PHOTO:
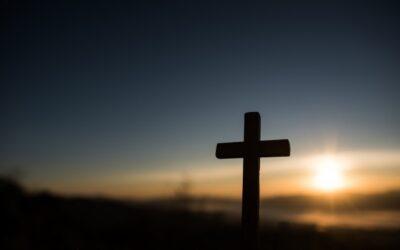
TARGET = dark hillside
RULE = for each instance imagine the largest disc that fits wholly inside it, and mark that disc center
(47, 221)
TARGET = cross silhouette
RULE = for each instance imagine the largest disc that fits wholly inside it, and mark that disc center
(251, 149)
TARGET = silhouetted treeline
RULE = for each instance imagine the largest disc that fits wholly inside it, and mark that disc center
(45, 221)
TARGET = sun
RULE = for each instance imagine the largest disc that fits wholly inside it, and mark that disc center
(328, 175)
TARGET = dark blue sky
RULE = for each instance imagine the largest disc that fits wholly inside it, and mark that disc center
(154, 84)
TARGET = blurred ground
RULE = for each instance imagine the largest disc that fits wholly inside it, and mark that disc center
(47, 221)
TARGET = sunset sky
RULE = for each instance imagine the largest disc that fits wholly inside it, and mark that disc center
(130, 101)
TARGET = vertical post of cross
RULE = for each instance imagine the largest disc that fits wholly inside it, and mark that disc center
(251, 149)
(251, 187)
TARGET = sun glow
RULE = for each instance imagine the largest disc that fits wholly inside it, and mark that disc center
(328, 175)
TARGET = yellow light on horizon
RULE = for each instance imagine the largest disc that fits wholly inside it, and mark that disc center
(328, 175)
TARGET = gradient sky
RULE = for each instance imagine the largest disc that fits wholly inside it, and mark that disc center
(104, 97)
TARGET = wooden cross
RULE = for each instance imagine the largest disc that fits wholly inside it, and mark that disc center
(251, 149)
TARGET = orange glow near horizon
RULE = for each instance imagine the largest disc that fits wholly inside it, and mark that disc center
(332, 173)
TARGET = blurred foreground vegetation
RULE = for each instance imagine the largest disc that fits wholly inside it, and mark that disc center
(46, 221)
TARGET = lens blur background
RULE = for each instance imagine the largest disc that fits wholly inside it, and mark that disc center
(111, 111)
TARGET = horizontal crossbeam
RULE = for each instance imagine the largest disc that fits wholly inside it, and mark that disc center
(268, 148)
(230, 150)
(274, 148)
